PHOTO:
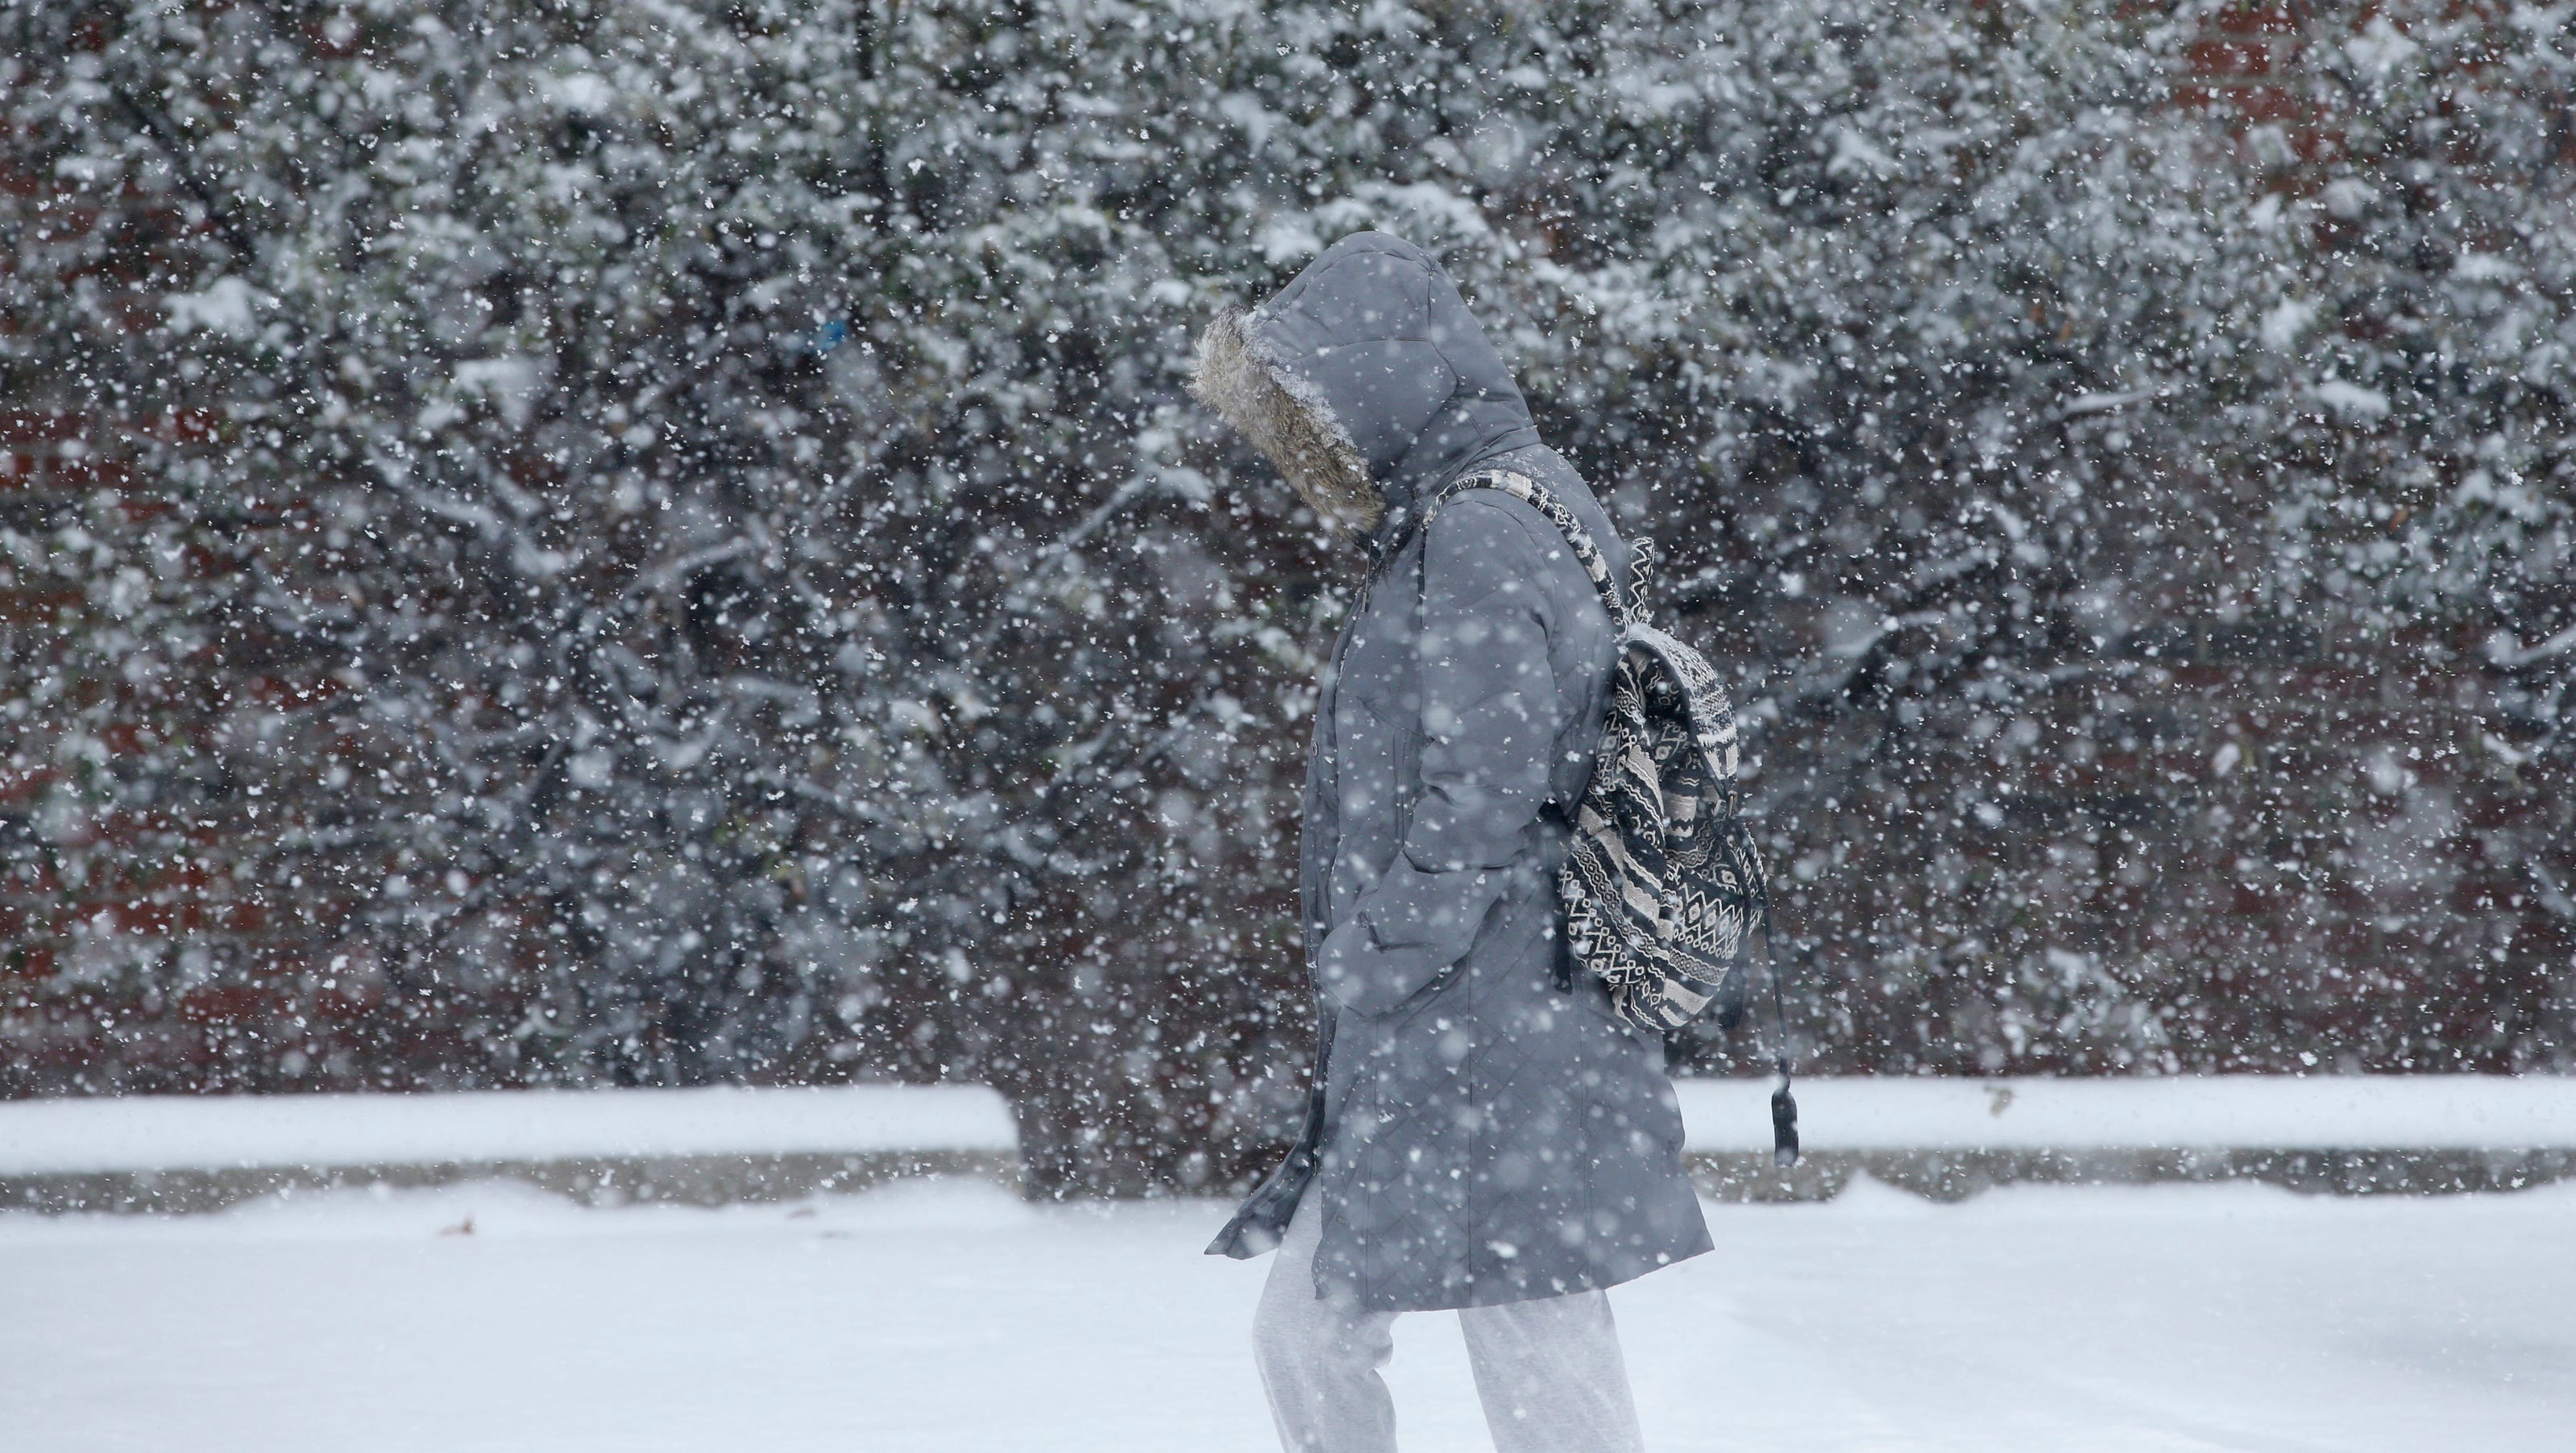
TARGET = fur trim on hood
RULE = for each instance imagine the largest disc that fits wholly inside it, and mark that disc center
(1288, 420)
(1368, 382)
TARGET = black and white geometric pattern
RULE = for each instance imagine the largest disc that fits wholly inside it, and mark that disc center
(1663, 886)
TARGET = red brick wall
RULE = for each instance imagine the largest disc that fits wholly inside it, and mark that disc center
(132, 954)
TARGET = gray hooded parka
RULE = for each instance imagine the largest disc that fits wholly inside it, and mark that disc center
(1482, 1129)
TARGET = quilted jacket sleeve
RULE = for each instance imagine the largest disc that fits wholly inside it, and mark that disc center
(1490, 717)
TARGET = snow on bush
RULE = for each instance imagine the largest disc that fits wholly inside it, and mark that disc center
(667, 545)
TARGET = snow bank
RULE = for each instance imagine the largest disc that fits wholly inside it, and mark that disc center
(239, 1132)
(2247, 1112)
(2214, 1113)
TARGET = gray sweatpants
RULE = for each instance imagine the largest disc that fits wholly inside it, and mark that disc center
(1548, 1371)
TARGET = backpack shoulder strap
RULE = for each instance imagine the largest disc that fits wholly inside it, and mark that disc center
(1577, 539)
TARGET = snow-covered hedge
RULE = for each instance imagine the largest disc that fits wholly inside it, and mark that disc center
(668, 545)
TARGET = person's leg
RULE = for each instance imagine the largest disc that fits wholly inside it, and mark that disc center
(1551, 1376)
(1319, 1360)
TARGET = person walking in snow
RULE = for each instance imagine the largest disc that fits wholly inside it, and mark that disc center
(1483, 1134)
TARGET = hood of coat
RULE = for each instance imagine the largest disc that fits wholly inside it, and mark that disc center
(1366, 382)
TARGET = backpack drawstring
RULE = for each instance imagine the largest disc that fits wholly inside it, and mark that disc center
(1784, 1106)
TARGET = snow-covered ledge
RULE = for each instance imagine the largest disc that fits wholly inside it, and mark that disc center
(178, 1152)
(1949, 1137)
(2212, 1112)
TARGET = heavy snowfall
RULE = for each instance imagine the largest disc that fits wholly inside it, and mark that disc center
(663, 544)
(604, 545)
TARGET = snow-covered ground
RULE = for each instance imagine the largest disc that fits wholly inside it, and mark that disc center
(948, 1317)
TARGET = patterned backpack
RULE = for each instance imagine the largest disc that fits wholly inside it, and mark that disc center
(1663, 886)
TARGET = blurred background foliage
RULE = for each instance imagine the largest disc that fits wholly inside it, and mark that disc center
(662, 542)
